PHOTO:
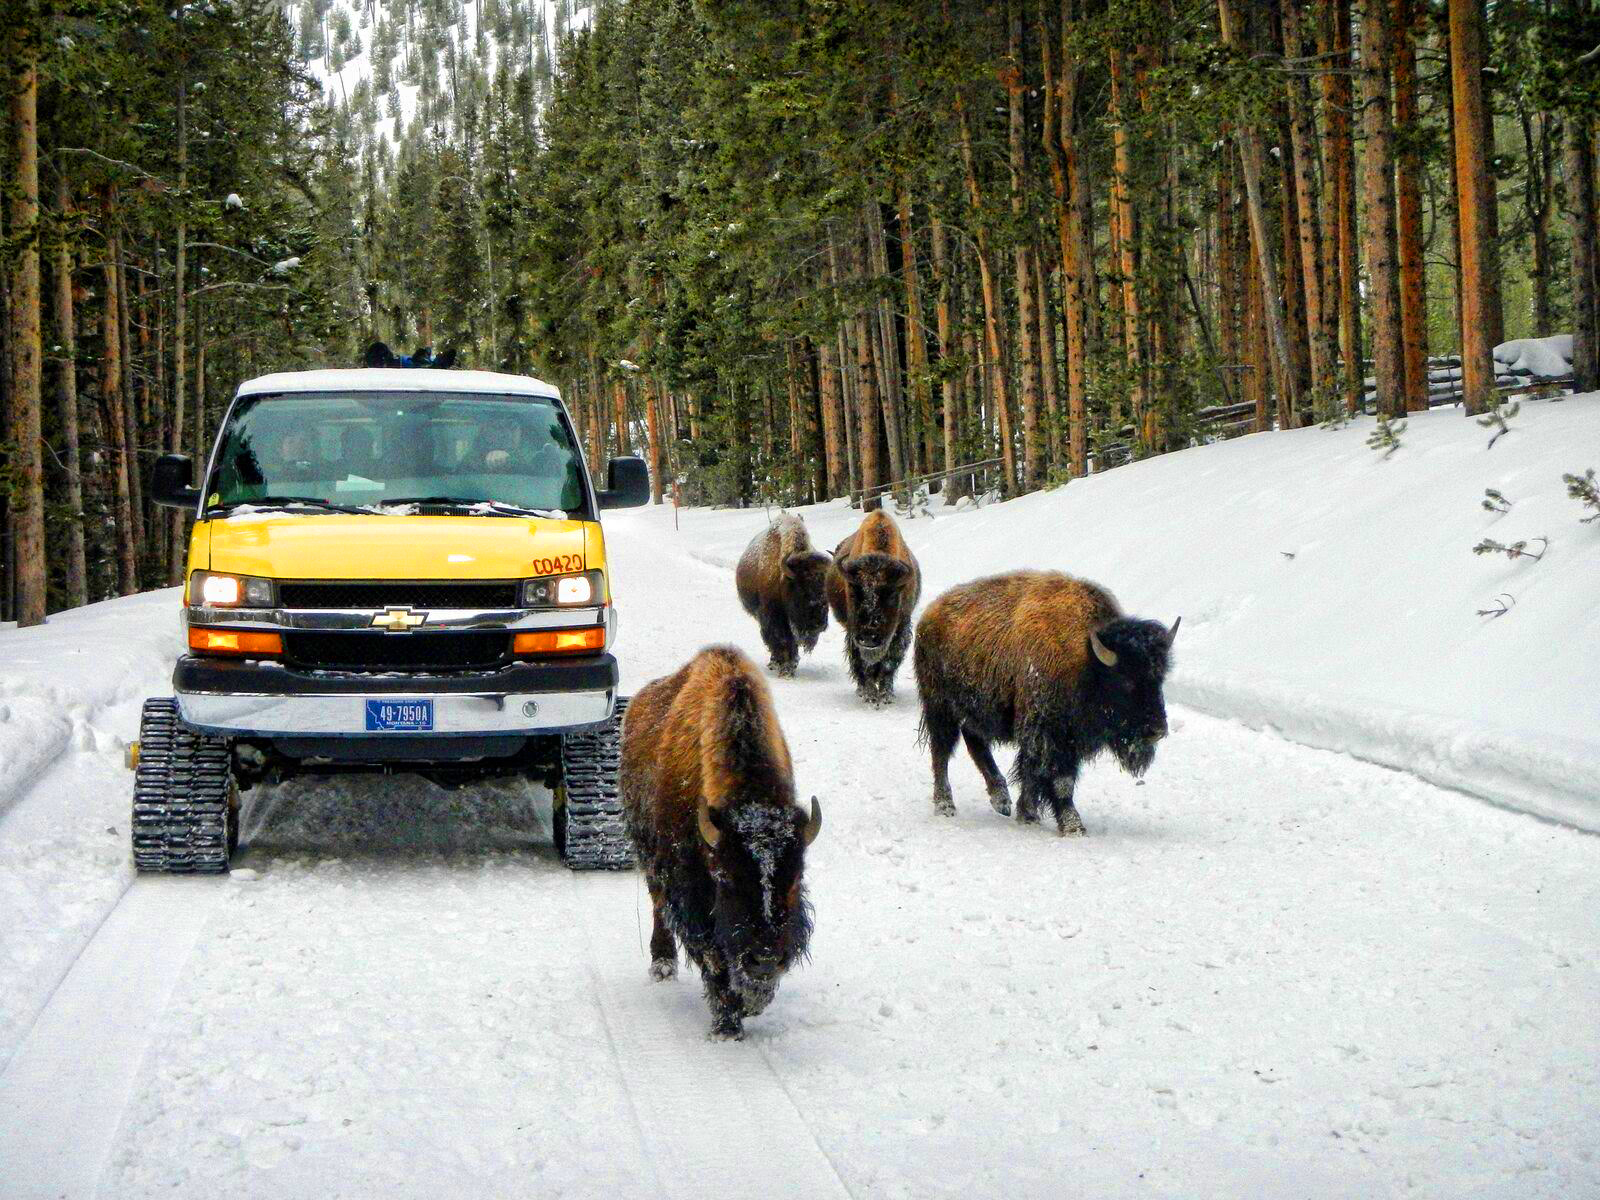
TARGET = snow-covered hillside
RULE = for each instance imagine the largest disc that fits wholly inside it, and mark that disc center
(1268, 970)
(385, 60)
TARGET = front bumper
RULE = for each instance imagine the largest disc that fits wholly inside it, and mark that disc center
(266, 699)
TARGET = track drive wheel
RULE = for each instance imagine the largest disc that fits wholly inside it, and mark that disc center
(586, 814)
(185, 802)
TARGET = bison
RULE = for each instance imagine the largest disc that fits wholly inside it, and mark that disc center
(1048, 662)
(780, 579)
(873, 585)
(708, 797)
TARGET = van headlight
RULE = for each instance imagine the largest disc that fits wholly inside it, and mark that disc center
(563, 591)
(216, 589)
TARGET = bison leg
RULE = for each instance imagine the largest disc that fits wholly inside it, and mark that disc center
(1049, 772)
(1068, 822)
(663, 949)
(942, 730)
(993, 779)
(778, 634)
(727, 1009)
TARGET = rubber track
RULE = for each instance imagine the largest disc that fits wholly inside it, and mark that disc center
(180, 795)
(597, 837)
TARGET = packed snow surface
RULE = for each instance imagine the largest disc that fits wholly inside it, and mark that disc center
(1270, 969)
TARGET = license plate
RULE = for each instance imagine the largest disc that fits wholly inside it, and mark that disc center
(399, 716)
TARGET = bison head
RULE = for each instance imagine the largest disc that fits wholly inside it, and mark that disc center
(1128, 663)
(877, 599)
(805, 596)
(762, 922)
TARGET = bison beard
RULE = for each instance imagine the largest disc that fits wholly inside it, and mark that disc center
(709, 800)
(1050, 663)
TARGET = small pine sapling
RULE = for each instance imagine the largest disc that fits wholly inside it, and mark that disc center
(1582, 488)
(1514, 551)
(1386, 436)
(1494, 502)
(1497, 416)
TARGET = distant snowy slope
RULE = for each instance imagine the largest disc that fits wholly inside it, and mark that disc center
(399, 51)
(1334, 594)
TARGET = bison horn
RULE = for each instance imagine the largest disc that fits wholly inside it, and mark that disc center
(708, 827)
(1173, 632)
(814, 824)
(1103, 652)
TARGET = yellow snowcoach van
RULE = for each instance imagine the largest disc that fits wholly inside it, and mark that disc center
(390, 569)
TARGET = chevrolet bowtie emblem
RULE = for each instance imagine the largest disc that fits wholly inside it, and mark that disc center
(398, 620)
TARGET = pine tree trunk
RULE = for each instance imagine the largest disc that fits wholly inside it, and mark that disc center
(1342, 246)
(1250, 160)
(1257, 364)
(1408, 194)
(868, 414)
(1478, 283)
(1022, 254)
(652, 420)
(1309, 213)
(112, 403)
(1581, 214)
(1294, 290)
(992, 316)
(1378, 168)
(916, 337)
(1047, 359)
(26, 464)
(949, 385)
(180, 340)
(887, 350)
(77, 573)
(1061, 135)
(1126, 255)
(832, 418)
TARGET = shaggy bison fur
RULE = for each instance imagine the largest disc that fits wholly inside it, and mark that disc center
(1048, 662)
(708, 796)
(780, 579)
(873, 587)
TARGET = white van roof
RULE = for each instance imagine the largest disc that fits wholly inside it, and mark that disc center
(399, 379)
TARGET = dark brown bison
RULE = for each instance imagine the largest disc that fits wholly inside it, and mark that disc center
(1048, 662)
(780, 580)
(873, 587)
(708, 794)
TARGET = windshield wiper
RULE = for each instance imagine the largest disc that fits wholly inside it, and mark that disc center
(499, 507)
(316, 502)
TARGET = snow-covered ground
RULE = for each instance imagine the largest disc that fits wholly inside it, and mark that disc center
(1271, 969)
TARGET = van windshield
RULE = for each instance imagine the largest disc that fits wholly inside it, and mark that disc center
(367, 451)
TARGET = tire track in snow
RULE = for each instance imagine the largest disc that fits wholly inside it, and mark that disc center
(714, 1117)
(63, 1093)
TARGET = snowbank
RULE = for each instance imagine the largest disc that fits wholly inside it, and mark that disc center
(1541, 358)
(1333, 595)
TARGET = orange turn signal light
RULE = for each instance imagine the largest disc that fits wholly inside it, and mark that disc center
(233, 641)
(560, 641)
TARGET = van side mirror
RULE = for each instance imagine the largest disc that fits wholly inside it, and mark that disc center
(627, 483)
(170, 482)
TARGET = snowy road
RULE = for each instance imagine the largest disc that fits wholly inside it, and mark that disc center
(1269, 970)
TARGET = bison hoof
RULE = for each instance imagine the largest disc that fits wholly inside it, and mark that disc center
(783, 670)
(664, 968)
(1070, 825)
(1000, 801)
(727, 1029)
(874, 697)
(1027, 814)
(943, 805)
